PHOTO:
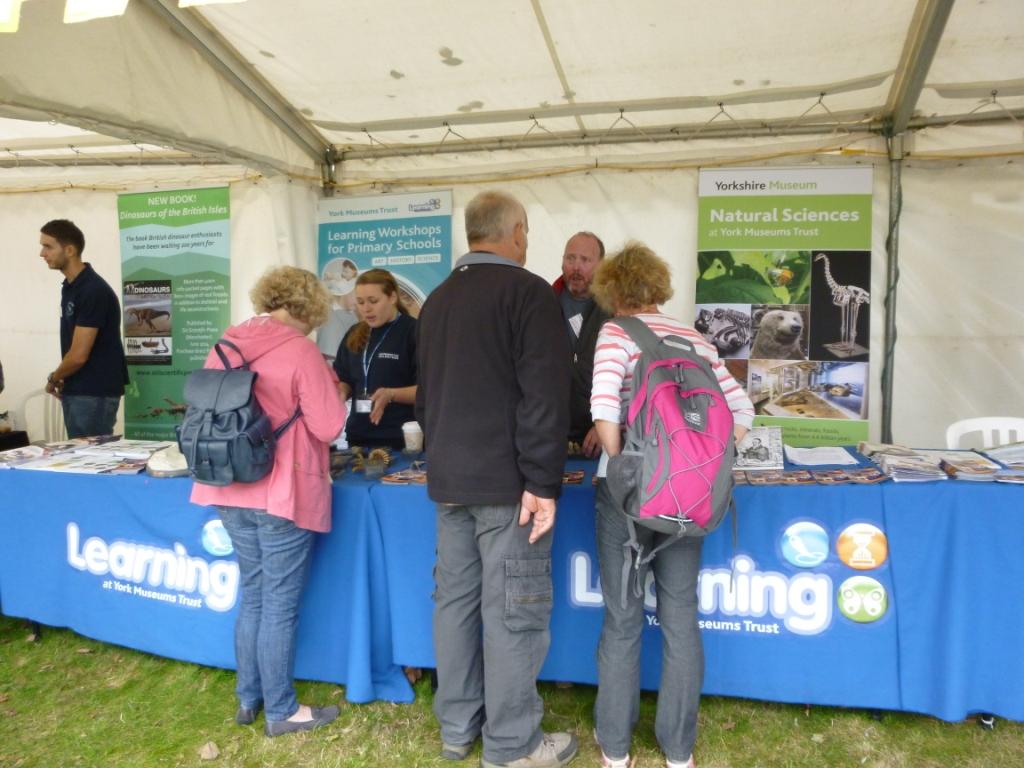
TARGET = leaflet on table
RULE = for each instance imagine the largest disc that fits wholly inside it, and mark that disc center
(913, 469)
(125, 449)
(761, 449)
(86, 465)
(872, 450)
(17, 456)
(1012, 454)
(821, 456)
(861, 475)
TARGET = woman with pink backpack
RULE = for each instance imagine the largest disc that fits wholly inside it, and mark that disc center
(634, 282)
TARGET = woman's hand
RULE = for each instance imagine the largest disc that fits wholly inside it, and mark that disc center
(381, 399)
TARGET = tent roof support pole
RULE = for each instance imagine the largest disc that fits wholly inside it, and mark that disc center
(922, 41)
(742, 129)
(329, 171)
(892, 277)
(549, 41)
(226, 60)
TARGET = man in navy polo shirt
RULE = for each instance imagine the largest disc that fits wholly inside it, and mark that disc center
(92, 372)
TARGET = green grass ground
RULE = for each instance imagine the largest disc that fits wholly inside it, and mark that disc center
(69, 701)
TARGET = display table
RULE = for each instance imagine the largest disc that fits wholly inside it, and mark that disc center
(809, 606)
(128, 560)
(924, 619)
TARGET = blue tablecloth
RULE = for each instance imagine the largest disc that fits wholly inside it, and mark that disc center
(796, 647)
(957, 572)
(925, 619)
(809, 606)
(125, 560)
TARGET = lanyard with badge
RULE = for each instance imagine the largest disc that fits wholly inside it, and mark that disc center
(364, 404)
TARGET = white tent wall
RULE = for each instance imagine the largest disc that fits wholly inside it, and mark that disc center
(960, 305)
(272, 222)
(960, 351)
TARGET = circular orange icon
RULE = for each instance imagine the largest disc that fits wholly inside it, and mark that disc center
(862, 546)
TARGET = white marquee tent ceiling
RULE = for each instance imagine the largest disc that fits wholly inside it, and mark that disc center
(275, 85)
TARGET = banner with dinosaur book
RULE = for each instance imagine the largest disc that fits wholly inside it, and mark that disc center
(175, 275)
(784, 274)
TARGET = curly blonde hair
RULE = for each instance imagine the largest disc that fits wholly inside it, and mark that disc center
(297, 290)
(634, 277)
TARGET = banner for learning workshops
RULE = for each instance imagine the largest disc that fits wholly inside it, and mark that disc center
(784, 270)
(176, 282)
(410, 235)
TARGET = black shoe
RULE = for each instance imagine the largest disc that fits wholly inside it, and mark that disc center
(987, 722)
(247, 715)
(321, 716)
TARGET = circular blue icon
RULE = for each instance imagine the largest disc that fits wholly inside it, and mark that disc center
(805, 544)
(216, 540)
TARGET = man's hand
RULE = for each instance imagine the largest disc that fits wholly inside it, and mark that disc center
(54, 386)
(541, 510)
(591, 444)
(738, 433)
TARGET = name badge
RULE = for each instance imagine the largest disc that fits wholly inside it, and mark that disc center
(364, 405)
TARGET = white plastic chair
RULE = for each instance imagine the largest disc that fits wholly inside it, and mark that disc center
(51, 415)
(995, 430)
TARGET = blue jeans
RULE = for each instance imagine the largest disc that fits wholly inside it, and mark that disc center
(273, 560)
(617, 707)
(89, 415)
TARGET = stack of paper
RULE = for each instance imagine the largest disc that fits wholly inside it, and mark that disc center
(124, 449)
(17, 456)
(1012, 455)
(910, 469)
(77, 463)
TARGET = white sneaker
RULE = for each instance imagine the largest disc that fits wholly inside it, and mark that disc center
(673, 764)
(607, 762)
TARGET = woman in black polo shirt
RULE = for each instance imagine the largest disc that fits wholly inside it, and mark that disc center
(376, 363)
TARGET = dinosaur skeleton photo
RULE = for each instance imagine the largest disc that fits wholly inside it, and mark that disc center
(849, 299)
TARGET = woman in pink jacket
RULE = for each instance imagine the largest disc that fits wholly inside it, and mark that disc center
(272, 521)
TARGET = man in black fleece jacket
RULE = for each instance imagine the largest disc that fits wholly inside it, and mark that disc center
(493, 401)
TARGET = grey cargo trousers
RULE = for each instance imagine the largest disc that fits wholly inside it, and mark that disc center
(492, 608)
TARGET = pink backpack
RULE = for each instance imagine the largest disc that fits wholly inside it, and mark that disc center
(674, 474)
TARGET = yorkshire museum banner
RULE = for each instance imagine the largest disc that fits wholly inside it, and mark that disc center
(410, 235)
(175, 273)
(782, 292)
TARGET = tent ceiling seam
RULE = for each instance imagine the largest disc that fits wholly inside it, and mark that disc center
(576, 109)
(737, 129)
(140, 134)
(568, 93)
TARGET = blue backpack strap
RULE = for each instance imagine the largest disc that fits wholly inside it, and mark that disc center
(224, 358)
(245, 366)
(281, 430)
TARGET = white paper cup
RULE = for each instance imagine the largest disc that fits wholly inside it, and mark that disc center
(413, 436)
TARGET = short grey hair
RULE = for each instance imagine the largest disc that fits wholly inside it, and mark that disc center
(491, 216)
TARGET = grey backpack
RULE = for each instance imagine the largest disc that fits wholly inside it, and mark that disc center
(225, 435)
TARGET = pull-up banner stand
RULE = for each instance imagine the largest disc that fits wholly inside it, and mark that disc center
(783, 285)
(175, 271)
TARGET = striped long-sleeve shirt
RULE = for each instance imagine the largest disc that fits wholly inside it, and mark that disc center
(615, 359)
